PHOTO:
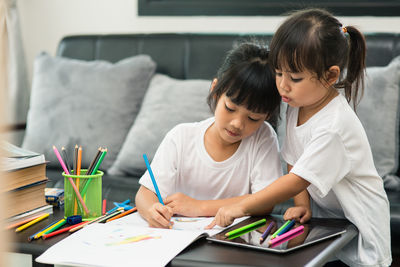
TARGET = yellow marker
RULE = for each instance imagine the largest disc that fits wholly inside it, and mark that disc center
(23, 227)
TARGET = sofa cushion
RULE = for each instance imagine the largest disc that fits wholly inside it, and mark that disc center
(379, 114)
(86, 103)
(167, 103)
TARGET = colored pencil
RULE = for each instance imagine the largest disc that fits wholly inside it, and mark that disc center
(70, 179)
(23, 227)
(38, 235)
(287, 235)
(287, 227)
(32, 237)
(104, 206)
(258, 223)
(266, 232)
(94, 161)
(126, 202)
(103, 154)
(56, 226)
(75, 159)
(65, 158)
(78, 172)
(153, 179)
(280, 229)
(78, 227)
(23, 222)
(108, 216)
(122, 214)
(66, 229)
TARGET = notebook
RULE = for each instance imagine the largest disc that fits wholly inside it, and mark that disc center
(311, 234)
(127, 241)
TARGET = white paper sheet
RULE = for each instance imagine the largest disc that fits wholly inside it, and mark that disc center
(127, 242)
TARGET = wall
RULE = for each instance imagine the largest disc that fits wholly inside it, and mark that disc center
(45, 22)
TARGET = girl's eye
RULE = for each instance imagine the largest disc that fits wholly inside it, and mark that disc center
(279, 74)
(228, 109)
(296, 80)
(253, 120)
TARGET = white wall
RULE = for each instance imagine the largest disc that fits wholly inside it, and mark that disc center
(45, 22)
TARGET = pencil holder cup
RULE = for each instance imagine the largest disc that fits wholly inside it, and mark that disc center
(89, 187)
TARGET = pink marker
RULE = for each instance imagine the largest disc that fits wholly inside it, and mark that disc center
(70, 179)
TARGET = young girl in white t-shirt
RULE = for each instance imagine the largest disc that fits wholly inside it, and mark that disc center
(199, 167)
(329, 159)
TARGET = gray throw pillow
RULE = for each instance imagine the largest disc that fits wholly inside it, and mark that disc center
(167, 103)
(379, 114)
(89, 103)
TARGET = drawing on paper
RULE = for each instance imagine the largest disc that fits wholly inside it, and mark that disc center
(133, 239)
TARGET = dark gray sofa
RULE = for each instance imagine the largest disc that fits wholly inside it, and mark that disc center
(191, 56)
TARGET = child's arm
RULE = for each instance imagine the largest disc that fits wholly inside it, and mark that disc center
(186, 206)
(155, 213)
(302, 209)
(261, 202)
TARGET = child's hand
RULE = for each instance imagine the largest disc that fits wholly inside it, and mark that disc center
(159, 216)
(299, 213)
(183, 205)
(226, 215)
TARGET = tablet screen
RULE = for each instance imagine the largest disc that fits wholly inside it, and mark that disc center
(311, 233)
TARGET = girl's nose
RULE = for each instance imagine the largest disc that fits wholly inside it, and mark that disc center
(238, 123)
(283, 84)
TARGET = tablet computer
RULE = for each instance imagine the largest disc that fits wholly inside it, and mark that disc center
(310, 234)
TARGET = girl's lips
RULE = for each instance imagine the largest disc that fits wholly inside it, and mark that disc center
(285, 99)
(232, 133)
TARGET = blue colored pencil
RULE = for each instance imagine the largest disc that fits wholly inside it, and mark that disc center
(153, 179)
(287, 227)
(33, 236)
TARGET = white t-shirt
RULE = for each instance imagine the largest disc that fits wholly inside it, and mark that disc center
(331, 151)
(182, 164)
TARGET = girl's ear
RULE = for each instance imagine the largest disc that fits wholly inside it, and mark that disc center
(213, 84)
(332, 75)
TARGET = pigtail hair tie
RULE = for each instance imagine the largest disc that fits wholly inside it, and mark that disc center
(344, 29)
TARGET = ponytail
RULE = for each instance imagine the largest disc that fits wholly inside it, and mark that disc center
(354, 80)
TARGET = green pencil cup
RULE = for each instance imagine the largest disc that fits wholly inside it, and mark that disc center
(89, 187)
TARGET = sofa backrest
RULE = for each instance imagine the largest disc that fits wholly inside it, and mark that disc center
(196, 56)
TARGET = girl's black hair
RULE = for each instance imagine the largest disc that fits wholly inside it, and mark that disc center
(247, 79)
(313, 40)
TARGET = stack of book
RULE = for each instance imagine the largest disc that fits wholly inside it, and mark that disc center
(24, 177)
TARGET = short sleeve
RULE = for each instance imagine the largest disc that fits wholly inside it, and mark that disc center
(164, 165)
(324, 162)
(267, 164)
